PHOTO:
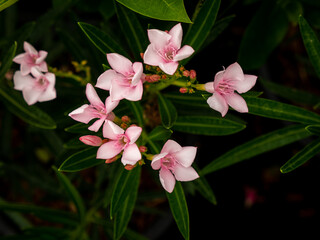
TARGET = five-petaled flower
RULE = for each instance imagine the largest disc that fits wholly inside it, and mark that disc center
(174, 163)
(120, 140)
(31, 59)
(96, 109)
(223, 87)
(38, 87)
(124, 80)
(165, 49)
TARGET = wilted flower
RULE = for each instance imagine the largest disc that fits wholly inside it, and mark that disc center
(124, 80)
(165, 49)
(174, 163)
(96, 109)
(223, 87)
(38, 87)
(31, 59)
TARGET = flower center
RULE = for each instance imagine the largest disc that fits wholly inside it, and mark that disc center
(168, 162)
(42, 82)
(168, 53)
(225, 87)
(122, 141)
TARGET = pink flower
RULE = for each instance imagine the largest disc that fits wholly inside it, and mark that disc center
(174, 163)
(96, 109)
(31, 59)
(37, 87)
(165, 49)
(120, 140)
(124, 80)
(223, 87)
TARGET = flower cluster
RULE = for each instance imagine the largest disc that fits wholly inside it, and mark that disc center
(33, 79)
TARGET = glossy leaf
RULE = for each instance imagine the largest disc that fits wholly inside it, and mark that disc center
(159, 133)
(6, 61)
(169, 10)
(78, 128)
(126, 204)
(6, 3)
(168, 112)
(134, 33)
(265, 31)
(277, 110)
(314, 129)
(101, 40)
(202, 25)
(311, 43)
(257, 146)
(179, 209)
(72, 193)
(81, 160)
(137, 111)
(204, 188)
(48, 214)
(302, 156)
(125, 184)
(207, 125)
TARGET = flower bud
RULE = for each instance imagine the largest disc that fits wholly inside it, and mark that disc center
(91, 140)
(186, 73)
(193, 74)
(143, 149)
(111, 160)
(154, 78)
(183, 90)
(125, 119)
(129, 167)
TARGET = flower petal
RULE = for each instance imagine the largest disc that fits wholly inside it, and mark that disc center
(138, 70)
(118, 91)
(29, 48)
(176, 35)
(25, 68)
(21, 81)
(182, 173)
(131, 155)
(119, 63)
(133, 133)
(169, 68)
(82, 114)
(218, 103)
(151, 56)
(110, 105)
(237, 102)
(96, 125)
(209, 87)
(49, 94)
(42, 56)
(108, 150)
(93, 97)
(31, 95)
(111, 130)
(105, 79)
(184, 52)
(134, 93)
(170, 147)
(19, 58)
(234, 72)
(156, 160)
(167, 180)
(159, 39)
(245, 85)
(185, 156)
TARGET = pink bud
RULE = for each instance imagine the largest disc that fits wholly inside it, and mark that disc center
(183, 90)
(143, 149)
(141, 55)
(154, 78)
(91, 140)
(186, 73)
(125, 119)
(193, 74)
(129, 167)
(111, 160)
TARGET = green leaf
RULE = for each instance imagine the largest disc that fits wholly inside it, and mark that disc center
(137, 111)
(277, 110)
(168, 10)
(48, 214)
(203, 187)
(78, 128)
(124, 186)
(159, 133)
(81, 160)
(202, 25)
(101, 40)
(207, 125)
(6, 3)
(257, 146)
(72, 192)
(265, 31)
(167, 111)
(311, 43)
(134, 33)
(302, 156)
(6, 61)
(179, 209)
(126, 203)
(314, 129)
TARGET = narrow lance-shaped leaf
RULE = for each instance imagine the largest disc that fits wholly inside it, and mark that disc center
(72, 192)
(257, 146)
(277, 110)
(311, 43)
(6, 61)
(314, 129)
(81, 160)
(179, 209)
(207, 125)
(202, 25)
(167, 110)
(125, 184)
(137, 111)
(159, 133)
(204, 188)
(301, 157)
(169, 10)
(6, 3)
(125, 210)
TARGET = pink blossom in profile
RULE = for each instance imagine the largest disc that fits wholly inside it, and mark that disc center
(223, 87)
(174, 163)
(165, 49)
(91, 140)
(96, 109)
(38, 87)
(120, 140)
(31, 59)
(124, 80)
